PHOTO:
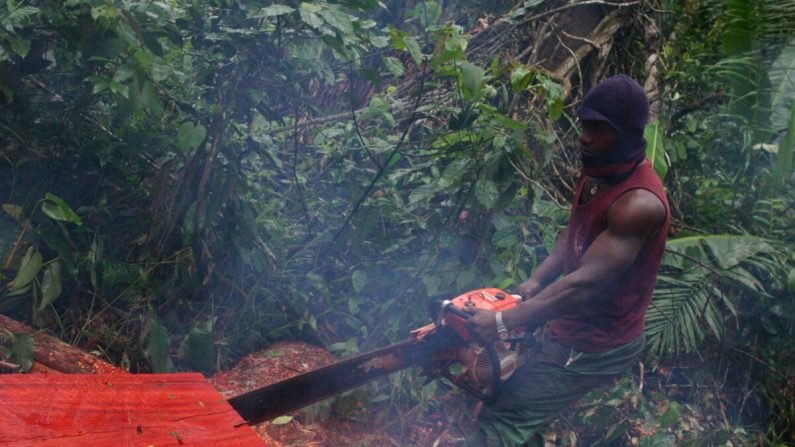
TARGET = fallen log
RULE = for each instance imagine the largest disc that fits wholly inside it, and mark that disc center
(52, 354)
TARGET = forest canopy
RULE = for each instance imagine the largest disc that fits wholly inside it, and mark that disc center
(184, 182)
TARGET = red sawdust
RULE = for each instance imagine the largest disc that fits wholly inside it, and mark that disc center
(281, 361)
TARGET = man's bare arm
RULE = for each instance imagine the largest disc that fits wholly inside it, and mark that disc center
(633, 219)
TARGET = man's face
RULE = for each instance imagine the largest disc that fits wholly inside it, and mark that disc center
(597, 139)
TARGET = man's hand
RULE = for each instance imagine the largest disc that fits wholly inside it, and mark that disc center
(528, 289)
(483, 324)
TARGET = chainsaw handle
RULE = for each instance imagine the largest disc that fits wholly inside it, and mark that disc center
(448, 306)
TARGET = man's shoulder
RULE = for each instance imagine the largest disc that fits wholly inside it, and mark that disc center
(637, 210)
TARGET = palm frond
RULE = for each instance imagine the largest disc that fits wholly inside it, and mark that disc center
(691, 298)
(681, 306)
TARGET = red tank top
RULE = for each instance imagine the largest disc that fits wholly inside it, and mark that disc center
(616, 317)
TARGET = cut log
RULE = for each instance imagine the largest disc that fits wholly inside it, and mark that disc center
(54, 357)
(52, 354)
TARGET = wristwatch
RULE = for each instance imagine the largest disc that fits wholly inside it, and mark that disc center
(502, 331)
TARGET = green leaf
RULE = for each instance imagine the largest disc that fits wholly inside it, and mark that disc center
(190, 136)
(158, 344)
(467, 279)
(505, 283)
(510, 123)
(125, 72)
(338, 20)
(671, 417)
(19, 45)
(486, 192)
(273, 11)
(149, 98)
(14, 211)
(379, 41)
(101, 83)
(50, 284)
(359, 280)
(22, 351)
(281, 420)
(453, 173)
(421, 194)
(397, 37)
(18, 17)
(784, 162)
(727, 250)
(394, 65)
(521, 78)
(310, 18)
(4, 89)
(105, 12)
(197, 347)
(655, 150)
(28, 269)
(414, 49)
(555, 109)
(56, 208)
(473, 77)
(783, 87)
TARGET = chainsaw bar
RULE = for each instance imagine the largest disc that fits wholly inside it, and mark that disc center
(313, 386)
(434, 347)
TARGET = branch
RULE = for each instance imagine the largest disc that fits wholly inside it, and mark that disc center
(313, 122)
(381, 171)
(356, 122)
(217, 130)
(700, 263)
(295, 175)
(575, 5)
(758, 360)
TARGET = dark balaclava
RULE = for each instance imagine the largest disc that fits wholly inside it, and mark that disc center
(622, 102)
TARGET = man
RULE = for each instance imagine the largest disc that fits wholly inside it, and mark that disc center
(605, 263)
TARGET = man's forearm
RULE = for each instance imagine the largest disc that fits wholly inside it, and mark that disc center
(559, 298)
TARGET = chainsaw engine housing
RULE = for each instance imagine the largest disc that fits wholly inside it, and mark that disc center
(486, 365)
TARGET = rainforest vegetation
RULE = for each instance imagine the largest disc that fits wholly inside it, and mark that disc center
(184, 182)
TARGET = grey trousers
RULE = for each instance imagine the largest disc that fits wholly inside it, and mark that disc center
(553, 377)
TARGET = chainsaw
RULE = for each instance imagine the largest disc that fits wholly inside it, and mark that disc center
(445, 348)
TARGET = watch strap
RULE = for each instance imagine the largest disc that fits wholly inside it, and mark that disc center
(502, 331)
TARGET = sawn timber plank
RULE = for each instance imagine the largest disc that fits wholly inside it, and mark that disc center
(117, 410)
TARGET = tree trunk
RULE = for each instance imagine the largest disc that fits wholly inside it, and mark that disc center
(572, 40)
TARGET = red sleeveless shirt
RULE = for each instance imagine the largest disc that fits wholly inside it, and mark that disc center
(616, 316)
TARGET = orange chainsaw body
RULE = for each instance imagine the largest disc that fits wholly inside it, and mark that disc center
(492, 299)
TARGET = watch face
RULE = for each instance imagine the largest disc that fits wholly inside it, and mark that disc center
(504, 335)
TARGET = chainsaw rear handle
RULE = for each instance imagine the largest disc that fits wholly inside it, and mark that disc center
(448, 306)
